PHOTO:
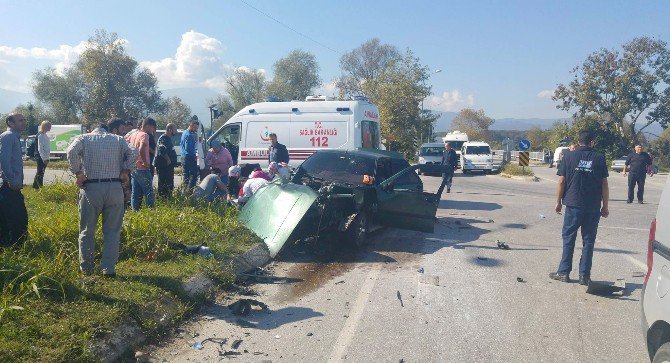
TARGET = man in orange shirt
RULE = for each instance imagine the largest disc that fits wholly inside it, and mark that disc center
(142, 181)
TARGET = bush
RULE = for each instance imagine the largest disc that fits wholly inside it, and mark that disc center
(514, 169)
(47, 313)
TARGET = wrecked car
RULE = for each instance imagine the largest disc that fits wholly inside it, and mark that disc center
(345, 192)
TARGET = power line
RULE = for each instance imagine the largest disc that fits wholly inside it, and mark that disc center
(289, 28)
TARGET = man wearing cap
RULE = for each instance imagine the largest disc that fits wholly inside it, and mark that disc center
(189, 145)
(101, 161)
(142, 181)
(13, 213)
(218, 157)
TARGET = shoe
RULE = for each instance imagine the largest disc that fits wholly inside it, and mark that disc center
(558, 277)
(584, 280)
(448, 190)
(629, 201)
(640, 202)
(110, 276)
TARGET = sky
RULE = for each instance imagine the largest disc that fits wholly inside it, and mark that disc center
(505, 57)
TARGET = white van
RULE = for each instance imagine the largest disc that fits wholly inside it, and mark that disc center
(558, 155)
(431, 154)
(456, 139)
(176, 142)
(303, 126)
(477, 155)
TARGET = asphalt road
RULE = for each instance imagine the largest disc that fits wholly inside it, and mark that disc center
(467, 305)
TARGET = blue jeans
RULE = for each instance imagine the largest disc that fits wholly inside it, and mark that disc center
(588, 221)
(191, 172)
(218, 194)
(142, 186)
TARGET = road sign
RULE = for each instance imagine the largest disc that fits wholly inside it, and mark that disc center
(524, 145)
(524, 158)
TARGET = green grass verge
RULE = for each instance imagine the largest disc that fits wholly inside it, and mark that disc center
(48, 312)
(53, 164)
(516, 170)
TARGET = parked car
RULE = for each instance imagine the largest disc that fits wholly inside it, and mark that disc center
(656, 287)
(341, 192)
(620, 163)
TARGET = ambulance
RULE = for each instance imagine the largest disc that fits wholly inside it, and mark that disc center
(302, 126)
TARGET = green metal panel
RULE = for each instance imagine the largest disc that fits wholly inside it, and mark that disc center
(275, 211)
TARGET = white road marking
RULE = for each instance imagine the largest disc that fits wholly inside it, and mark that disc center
(349, 330)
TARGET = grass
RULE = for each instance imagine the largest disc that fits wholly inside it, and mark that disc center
(516, 170)
(48, 312)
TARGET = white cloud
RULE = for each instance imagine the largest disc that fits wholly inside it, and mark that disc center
(327, 89)
(196, 63)
(546, 94)
(452, 101)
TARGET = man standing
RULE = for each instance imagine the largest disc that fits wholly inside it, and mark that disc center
(449, 164)
(100, 161)
(43, 152)
(583, 188)
(189, 144)
(142, 181)
(13, 213)
(636, 169)
(165, 161)
(277, 152)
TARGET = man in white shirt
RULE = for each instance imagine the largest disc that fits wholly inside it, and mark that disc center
(42, 155)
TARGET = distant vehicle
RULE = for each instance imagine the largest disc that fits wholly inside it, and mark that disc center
(303, 126)
(558, 155)
(620, 163)
(656, 286)
(477, 155)
(456, 139)
(176, 141)
(345, 192)
(430, 154)
(61, 136)
(24, 148)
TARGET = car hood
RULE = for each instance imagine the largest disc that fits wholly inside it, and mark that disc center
(274, 212)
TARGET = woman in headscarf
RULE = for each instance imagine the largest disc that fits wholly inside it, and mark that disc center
(218, 157)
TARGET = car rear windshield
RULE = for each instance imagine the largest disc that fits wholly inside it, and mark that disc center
(478, 150)
(432, 151)
(341, 167)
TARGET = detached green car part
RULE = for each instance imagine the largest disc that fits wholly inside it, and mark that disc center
(346, 192)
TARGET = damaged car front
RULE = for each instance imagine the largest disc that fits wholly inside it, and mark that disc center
(344, 192)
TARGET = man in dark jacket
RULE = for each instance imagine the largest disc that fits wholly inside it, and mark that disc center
(277, 152)
(449, 164)
(13, 213)
(165, 161)
(636, 169)
(583, 189)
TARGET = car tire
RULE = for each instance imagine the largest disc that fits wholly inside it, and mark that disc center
(357, 232)
(465, 171)
(662, 354)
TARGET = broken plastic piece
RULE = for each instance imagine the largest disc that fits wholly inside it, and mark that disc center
(243, 306)
(420, 270)
(502, 245)
(197, 345)
(236, 344)
(400, 298)
(482, 258)
(310, 334)
(542, 216)
(520, 279)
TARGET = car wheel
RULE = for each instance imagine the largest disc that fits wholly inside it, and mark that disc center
(357, 232)
(465, 171)
(662, 354)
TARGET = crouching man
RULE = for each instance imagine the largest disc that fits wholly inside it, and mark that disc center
(211, 188)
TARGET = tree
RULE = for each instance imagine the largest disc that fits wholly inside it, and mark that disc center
(474, 123)
(626, 91)
(364, 64)
(104, 82)
(538, 138)
(176, 112)
(295, 76)
(397, 91)
(560, 130)
(226, 109)
(245, 86)
(660, 149)
(34, 115)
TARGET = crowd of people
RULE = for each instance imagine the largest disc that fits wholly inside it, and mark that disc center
(114, 166)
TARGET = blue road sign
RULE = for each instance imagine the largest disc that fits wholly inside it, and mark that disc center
(524, 145)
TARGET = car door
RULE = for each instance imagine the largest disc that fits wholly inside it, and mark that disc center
(403, 204)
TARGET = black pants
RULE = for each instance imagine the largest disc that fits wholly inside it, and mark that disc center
(165, 181)
(447, 177)
(39, 177)
(13, 217)
(638, 179)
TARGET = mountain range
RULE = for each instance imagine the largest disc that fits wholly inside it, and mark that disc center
(443, 122)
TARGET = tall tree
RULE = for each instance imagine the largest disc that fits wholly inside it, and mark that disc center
(538, 138)
(246, 86)
(631, 87)
(104, 82)
(176, 112)
(398, 91)
(364, 64)
(474, 123)
(295, 76)
(226, 110)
